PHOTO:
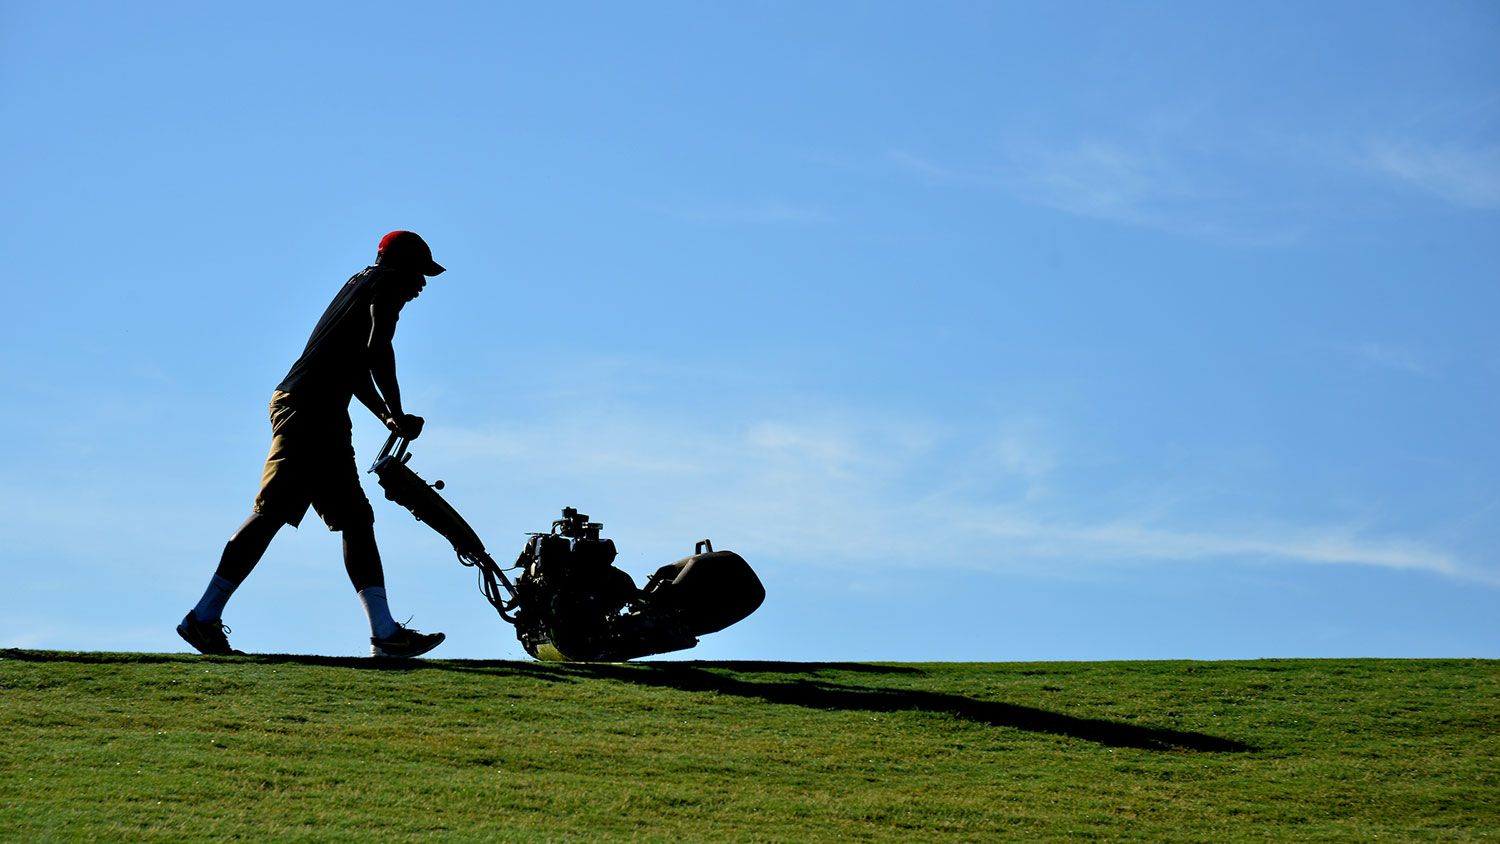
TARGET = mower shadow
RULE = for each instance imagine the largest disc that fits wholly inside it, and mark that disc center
(821, 694)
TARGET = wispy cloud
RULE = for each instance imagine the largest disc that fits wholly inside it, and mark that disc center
(1464, 175)
(1162, 178)
(852, 490)
(1094, 179)
(918, 164)
(1193, 173)
(1388, 357)
(1321, 545)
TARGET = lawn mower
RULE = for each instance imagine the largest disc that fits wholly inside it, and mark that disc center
(568, 602)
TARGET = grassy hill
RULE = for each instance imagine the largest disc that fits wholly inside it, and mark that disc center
(140, 747)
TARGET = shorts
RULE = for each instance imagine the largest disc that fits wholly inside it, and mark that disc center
(312, 463)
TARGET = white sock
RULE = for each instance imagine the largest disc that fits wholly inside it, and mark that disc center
(382, 626)
(211, 605)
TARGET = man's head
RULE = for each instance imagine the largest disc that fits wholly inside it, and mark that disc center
(407, 251)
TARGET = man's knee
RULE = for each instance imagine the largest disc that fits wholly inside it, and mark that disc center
(357, 532)
(355, 514)
(259, 528)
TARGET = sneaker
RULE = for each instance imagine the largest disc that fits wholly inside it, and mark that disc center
(405, 642)
(206, 637)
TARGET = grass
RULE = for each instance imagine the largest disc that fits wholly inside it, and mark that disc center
(158, 748)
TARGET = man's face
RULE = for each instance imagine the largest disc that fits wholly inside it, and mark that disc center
(417, 282)
(411, 279)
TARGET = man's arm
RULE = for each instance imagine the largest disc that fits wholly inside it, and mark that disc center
(382, 391)
(370, 397)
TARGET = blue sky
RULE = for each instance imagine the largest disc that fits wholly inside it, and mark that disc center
(985, 331)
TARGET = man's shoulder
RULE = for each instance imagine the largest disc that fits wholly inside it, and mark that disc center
(368, 275)
(368, 284)
(375, 278)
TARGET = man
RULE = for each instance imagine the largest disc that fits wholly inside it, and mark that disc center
(312, 454)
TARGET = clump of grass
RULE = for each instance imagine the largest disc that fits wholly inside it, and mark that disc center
(129, 747)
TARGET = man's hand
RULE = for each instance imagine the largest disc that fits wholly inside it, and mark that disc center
(406, 425)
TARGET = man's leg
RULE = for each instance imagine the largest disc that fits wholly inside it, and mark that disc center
(247, 546)
(241, 553)
(362, 563)
(203, 627)
(362, 557)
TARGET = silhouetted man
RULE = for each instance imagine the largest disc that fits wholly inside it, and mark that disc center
(312, 453)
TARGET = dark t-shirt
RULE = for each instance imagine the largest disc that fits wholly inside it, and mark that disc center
(337, 353)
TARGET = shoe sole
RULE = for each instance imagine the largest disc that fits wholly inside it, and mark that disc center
(375, 650)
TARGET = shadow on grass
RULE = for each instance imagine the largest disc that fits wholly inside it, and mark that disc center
(796, 684)
(820, 694)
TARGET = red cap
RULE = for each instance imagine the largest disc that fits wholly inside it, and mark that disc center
(408, 249)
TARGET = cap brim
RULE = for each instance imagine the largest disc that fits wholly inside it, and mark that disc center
(433, 268)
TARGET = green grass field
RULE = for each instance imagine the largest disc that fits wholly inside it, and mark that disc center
(139, 747)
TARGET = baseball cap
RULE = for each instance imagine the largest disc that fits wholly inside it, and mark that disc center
(409, 249)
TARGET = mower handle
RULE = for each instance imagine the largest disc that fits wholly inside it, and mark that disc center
(394, 440)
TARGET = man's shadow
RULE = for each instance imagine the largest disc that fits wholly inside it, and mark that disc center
(791, 684)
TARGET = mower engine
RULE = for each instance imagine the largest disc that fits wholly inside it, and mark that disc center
(576, 606)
